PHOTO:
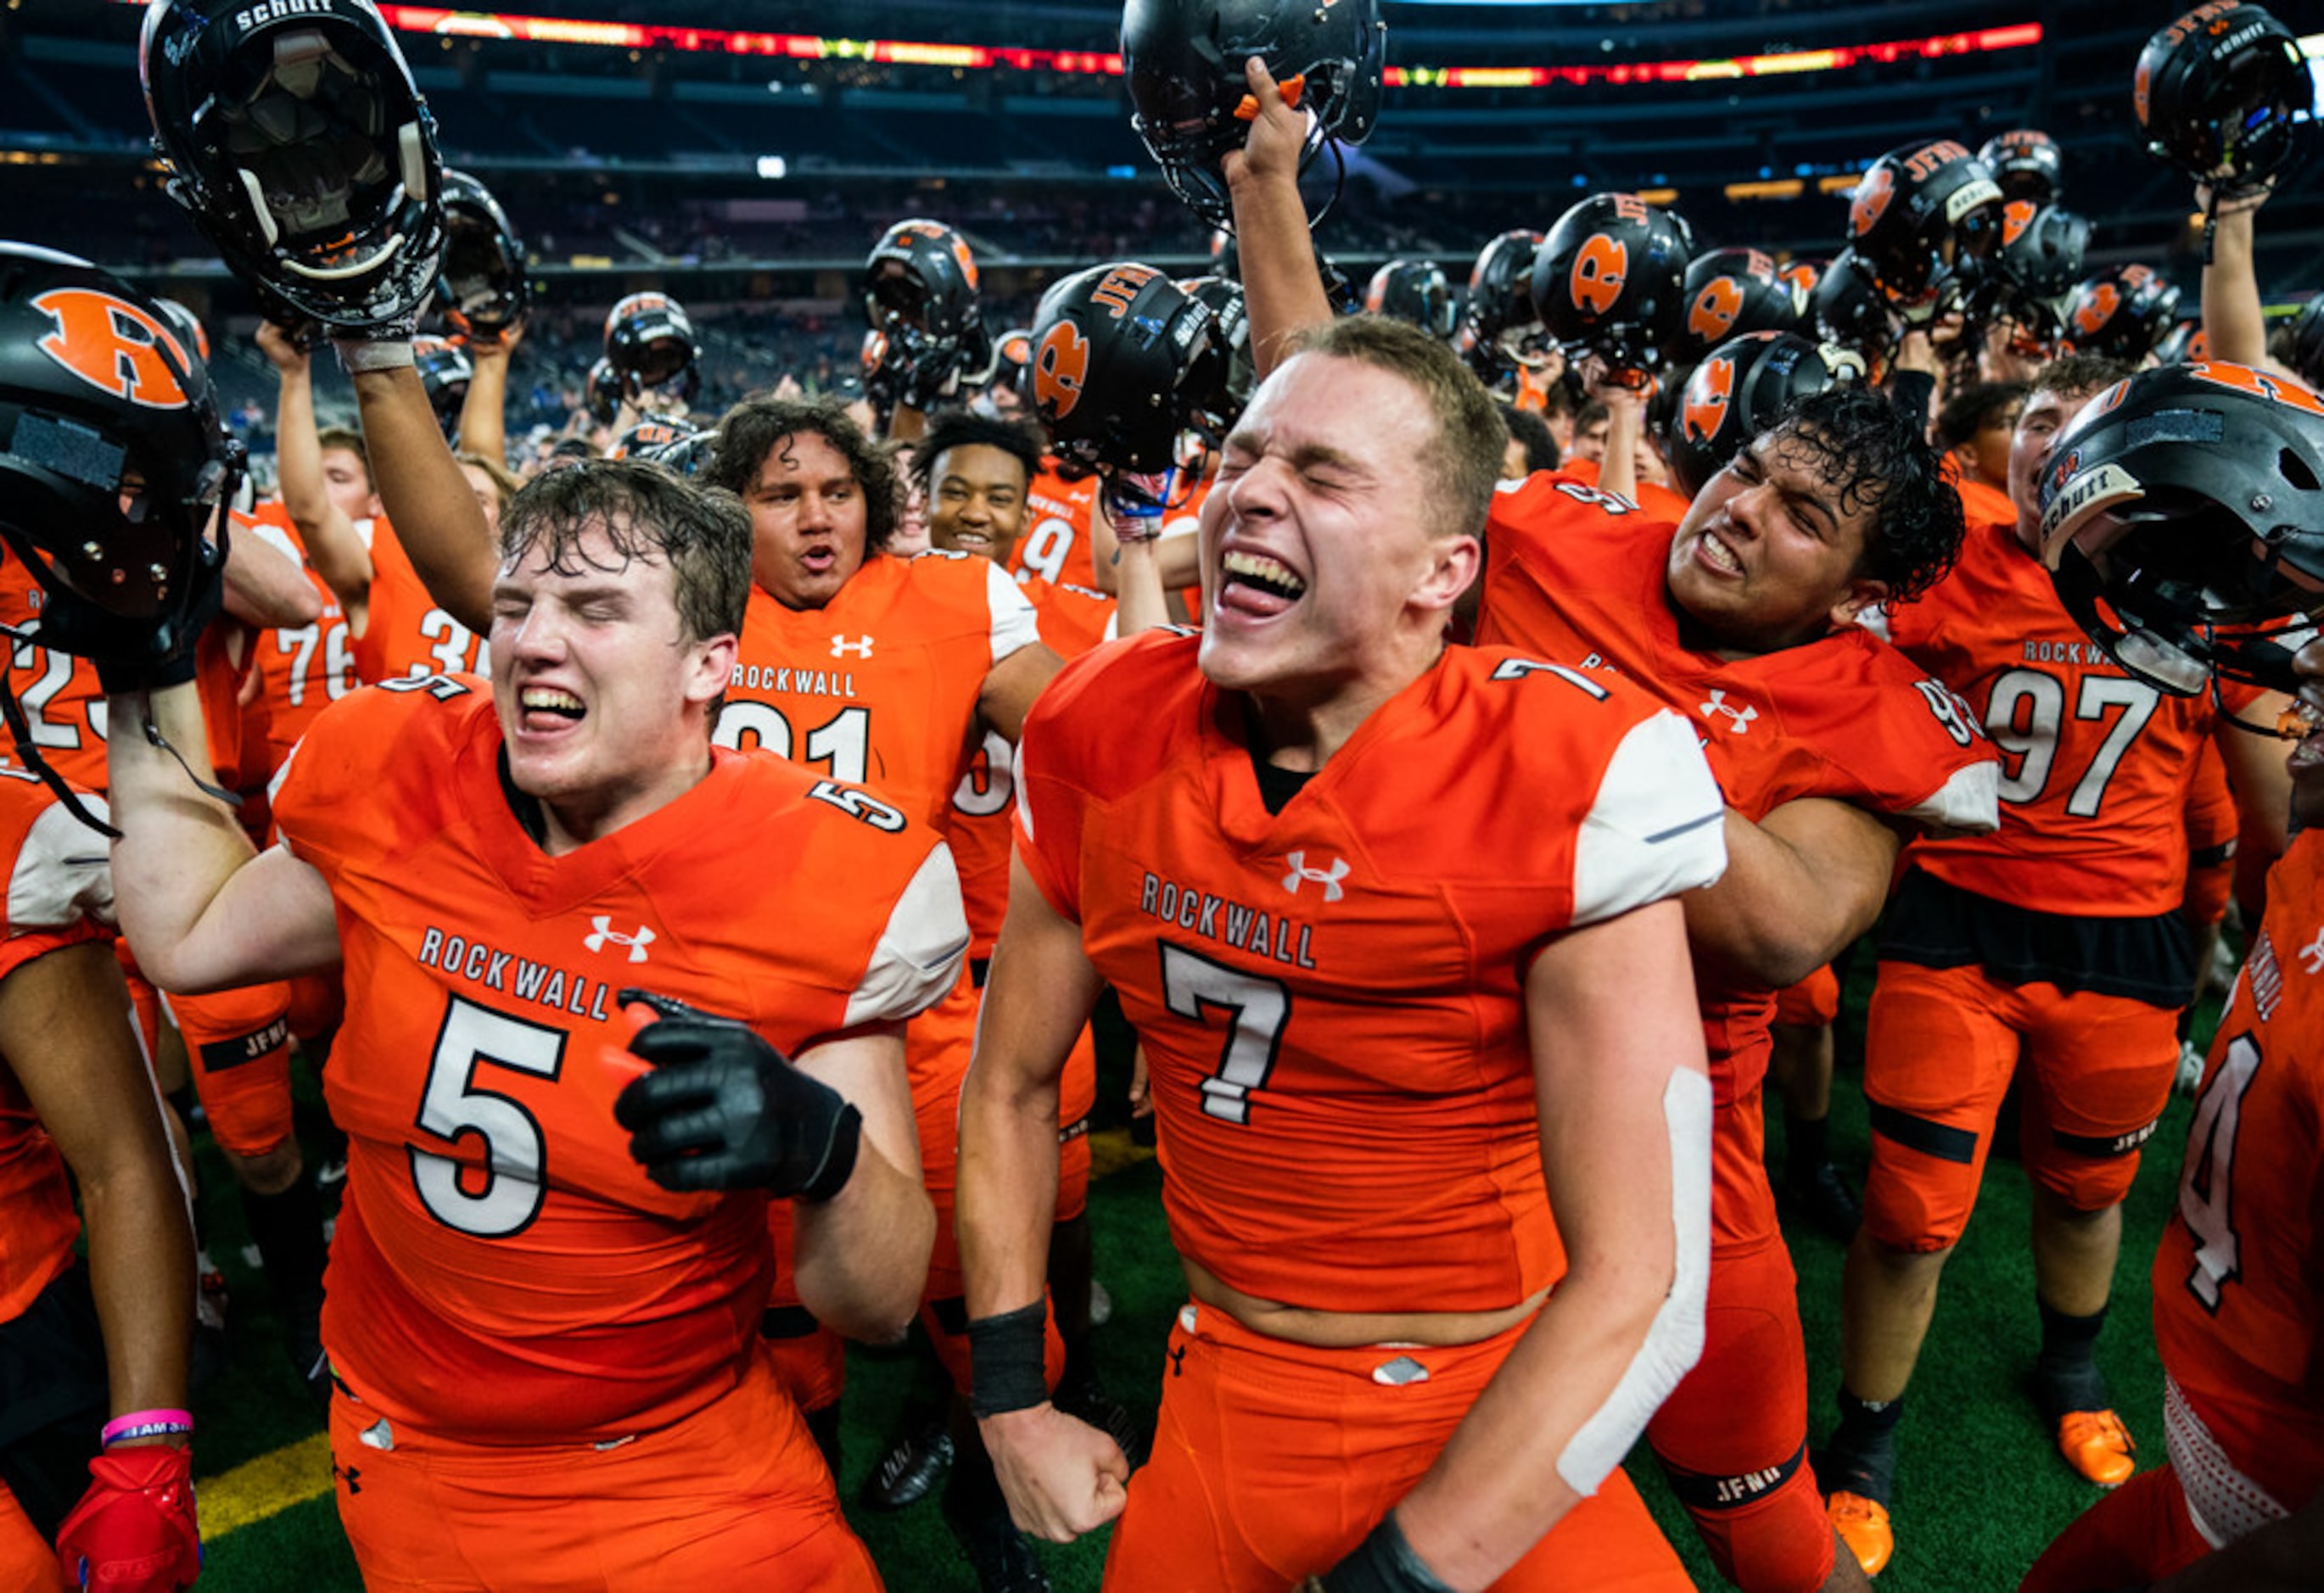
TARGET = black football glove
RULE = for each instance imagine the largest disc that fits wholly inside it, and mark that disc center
(137, 654)
(1382, 1563)
(723, 1109)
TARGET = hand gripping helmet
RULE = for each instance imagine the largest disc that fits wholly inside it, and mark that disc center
(1190, 103)
(920, 292)
(1414, 291)
(2217, 92)
(98, 390)
(294, 137)
(482, 290)
(1498, 329)
(2031, 276)
(1730, 292)
(2027, 165)
(1850, 311)
(1741, 390)
(1919, 211)
(1223, 298)
(2182, 521)
(650, 344)
(443, 371)
(2121, 313)
(1123, 362)
(2307, 353)
(1609, 280)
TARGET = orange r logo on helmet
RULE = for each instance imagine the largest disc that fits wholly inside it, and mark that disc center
(1873, 192)
(1707, 397)
(1599, 272)
(2016, 219)
(1715, 309)
(1059, 369)
(114, 347)
(2097, 309)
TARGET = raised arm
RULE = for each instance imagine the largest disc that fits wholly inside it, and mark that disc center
(484, 414)
(201, 912)
(436, 517)
(1625, 1142)
(2235, 326)
(1283, 291)
(333, 549)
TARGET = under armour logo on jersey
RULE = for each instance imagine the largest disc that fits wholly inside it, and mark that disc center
(1329, 879)
(601, 934)
(2311, 955)
(1740, 718)
(841, 646)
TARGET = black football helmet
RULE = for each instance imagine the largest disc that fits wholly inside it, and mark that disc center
(1185, 59)
(1852, 312)
(602, 392)
(99, 392)
(1223, 298)
(2307, 353)
(445, 373)
(1739, 391)
(650, 438)
(1414, 291)
(2183, 344)
(1609, 280)
(1730, 292)
(2182, 521)
(920, 294)
(1803, 275)
(2219, 91)
(2122, 313)
(294, 137)
(2030, 278)
(1918, 212)
(2027, 165)
(650, 346)
(1124, 361)
(1499, 328)
(482, 290)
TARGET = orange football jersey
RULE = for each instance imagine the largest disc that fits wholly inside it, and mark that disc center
(2094, 764)
(502, 1271)
(1575, 574)
(2238, 1281)
(405, 633)
(302, 669)
(880, 685)
(1055, 546)
(63, 704)
(1332, 998)
(60, 880)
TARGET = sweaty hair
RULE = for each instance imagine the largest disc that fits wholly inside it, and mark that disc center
(965, 429)
(1973, 408)
(756, 427)
(2080, 372)
(503, 481)
(1531, 433)
(1861, 442)
(1470, 436)
(350, 439)
(647, 511)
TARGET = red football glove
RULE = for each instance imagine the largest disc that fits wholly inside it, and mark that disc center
(134, 1531)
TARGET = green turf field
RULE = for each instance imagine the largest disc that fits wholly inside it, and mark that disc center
(1981, 1491)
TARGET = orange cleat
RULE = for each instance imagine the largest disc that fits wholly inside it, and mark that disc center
(2098, 1445)
(1862, 1525)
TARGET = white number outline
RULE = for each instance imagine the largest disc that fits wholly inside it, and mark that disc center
(2209, 1212)
(1260, 1008)
(2037, 744)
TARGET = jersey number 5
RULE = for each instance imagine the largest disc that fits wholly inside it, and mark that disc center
(503, 1196)
(1256, 1009)
(2207, 1184)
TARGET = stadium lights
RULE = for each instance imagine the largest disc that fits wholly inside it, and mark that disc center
(1781, 188)
(774, 168)
(447, 23)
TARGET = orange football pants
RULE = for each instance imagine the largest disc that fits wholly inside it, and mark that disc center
(1941, 1045)
(1272, 1461)
(1809, 1004)
(2139, 1533)
(734, 1496)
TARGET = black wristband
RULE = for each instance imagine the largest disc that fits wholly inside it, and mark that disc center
(838, 1156)
(1005, 1355)
(1383, 1564)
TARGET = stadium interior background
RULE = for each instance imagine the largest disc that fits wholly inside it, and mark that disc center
(744, 155)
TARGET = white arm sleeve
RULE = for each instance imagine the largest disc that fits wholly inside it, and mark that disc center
(63, 871)
(1015, 625)
(1968, 804)
(1658, 826)
(1673, 1341)
(918, 954)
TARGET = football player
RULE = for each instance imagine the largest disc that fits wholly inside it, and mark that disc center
(1386, 1037)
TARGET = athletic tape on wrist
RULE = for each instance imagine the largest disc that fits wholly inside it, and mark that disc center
(357, 356)
(1005, 1359)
